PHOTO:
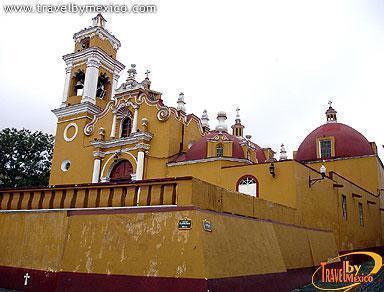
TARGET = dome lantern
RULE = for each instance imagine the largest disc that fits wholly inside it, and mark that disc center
(237, 128)
(331, 114)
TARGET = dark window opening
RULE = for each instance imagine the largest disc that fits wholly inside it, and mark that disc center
(361, 216)
(102, 83)
(79, 83)
(126, 127)
(219, 150)
(344, 206)
(325, 149)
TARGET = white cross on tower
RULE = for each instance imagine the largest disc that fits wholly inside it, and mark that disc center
(26, 277)
(147, 73)
(237, 112)
(330, 103)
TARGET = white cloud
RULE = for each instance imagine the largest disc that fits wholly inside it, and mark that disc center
(280, 61)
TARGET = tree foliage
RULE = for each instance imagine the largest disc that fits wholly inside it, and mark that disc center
(25, 158)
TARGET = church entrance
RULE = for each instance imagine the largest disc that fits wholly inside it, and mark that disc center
(122, 171)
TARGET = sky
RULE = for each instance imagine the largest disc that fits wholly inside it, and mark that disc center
(279, 61)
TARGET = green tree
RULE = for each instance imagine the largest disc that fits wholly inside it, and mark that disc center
(25, 158)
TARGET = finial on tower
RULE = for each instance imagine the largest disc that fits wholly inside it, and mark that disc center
(99, 20)
(331, 113)
(181, 102)
(283, 153)
(132, 72)
(205, 119)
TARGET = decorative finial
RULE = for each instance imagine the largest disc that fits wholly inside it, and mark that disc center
(181, 102)
(205, 119)
(221, 118)
(283, 153)
(331, 113)
(99, 20)
(132, 72)
(147, 74)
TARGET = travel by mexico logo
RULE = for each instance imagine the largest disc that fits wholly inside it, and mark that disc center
(347, 271)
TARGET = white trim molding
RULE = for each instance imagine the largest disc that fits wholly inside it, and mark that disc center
(65, 133)
(85, 107)
(210, 160)
(107, 62)
(135, 138)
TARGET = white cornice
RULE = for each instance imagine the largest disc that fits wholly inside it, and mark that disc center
(101, 32)
(135, 138)
(211, 159)
(112, 65)
(85, 107)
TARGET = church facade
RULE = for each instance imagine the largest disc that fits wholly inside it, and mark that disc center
(127, 170)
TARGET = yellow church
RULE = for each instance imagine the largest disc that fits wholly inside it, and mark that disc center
(144, 196)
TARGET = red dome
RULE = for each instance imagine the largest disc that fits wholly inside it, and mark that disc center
(260, 155)
(348, 142)
(199, 149)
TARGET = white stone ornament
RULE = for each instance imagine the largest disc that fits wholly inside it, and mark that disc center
(65, 134)
(283, 153)
(205, 119)
(221, 118)
(181, 103)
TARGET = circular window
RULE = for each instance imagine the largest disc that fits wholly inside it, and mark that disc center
(65, 165)
(70, 132)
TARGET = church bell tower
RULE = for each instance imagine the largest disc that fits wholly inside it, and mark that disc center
(92, 70)
(92, 73)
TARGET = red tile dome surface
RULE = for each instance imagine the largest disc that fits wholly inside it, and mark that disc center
(199, 149)
(348, 142)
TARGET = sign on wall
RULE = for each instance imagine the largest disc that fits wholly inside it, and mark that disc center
(207, 226)
(185, 224)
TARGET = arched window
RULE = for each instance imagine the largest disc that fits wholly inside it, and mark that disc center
(126, 127)
(219, 150)
(248, 185)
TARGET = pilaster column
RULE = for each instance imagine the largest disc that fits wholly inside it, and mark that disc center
(67, 83)
(140, 165)
(90, 82)
(113, 129)
(96, 170)
(114, 83)
(135, 118)
(96, 166)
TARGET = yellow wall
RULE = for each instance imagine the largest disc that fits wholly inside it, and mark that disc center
(254, 230)
(110, 244)
(360, 170)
